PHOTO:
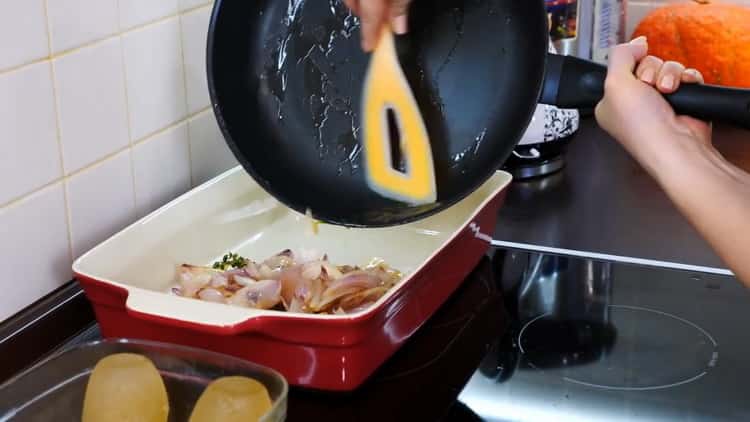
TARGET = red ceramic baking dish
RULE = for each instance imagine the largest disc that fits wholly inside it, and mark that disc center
(127, 278)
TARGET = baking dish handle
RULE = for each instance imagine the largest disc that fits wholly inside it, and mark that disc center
(208, 317)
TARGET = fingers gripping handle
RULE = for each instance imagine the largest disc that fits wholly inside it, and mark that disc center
(571, 82)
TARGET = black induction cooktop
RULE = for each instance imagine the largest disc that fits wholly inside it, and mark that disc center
(597, 341)
(533, 337)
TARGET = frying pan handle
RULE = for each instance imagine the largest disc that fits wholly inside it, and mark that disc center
(571, 82)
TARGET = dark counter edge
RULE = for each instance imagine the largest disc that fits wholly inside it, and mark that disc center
(42, 327)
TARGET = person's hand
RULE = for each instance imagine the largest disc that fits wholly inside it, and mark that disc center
(712, 193)
(635, 113)
(375, 14)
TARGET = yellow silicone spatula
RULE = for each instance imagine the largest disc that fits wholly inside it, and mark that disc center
(387, 90)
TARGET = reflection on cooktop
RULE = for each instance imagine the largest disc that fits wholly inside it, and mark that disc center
(550, 342)
(593, 341)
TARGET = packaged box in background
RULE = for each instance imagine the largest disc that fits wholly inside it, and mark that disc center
(571, 26)
(609, 27)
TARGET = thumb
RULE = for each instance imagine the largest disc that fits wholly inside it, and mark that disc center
(624, 57)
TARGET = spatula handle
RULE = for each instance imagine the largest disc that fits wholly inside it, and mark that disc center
(571, 82)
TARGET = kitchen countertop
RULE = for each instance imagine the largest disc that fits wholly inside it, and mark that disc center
(603, 205)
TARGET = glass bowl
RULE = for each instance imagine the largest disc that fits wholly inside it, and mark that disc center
(53, 390)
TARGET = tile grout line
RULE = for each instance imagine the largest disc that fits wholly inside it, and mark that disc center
(187, 103)
(99, 161)
(51, 56)
(128, 115)
(131, 162)
(26, 64)
(200, 6)
(58, 136)
(149, 22)
(170, 126)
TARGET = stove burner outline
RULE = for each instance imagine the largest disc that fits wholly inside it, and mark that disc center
(711, 363)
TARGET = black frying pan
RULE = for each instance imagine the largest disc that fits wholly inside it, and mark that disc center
(285, 78)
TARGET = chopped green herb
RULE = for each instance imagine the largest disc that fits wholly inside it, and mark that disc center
(229, 261)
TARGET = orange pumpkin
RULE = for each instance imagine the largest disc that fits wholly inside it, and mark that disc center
(709, 36)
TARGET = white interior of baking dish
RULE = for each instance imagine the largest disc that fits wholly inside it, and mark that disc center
(231, 213)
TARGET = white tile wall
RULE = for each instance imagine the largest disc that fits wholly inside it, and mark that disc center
(103, 117)
(29, 152)
(138, 12)
(194, 38)
(101, 201)
(26, 22)
(35, 232)
(210, 153)
(162, 168)
(154, 71)
(92, 108)
(76, 22)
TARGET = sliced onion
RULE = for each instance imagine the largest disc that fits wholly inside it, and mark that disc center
(293, 284)
(239, 298)
(356, 300)
(219, 280)
(250, 270)
(264, 294)
(312, 270)
(265, 272)
(278, 262)
(346, 269)
(315, 297)
(233, 287)
(211, 295)
(310, 285)
(348, 284)
(332, 272)
(245, 281)
(295, 306)
(192, 279)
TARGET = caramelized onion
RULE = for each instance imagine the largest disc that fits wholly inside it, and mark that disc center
(305, 283)
(350, 283)
(356, 300)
